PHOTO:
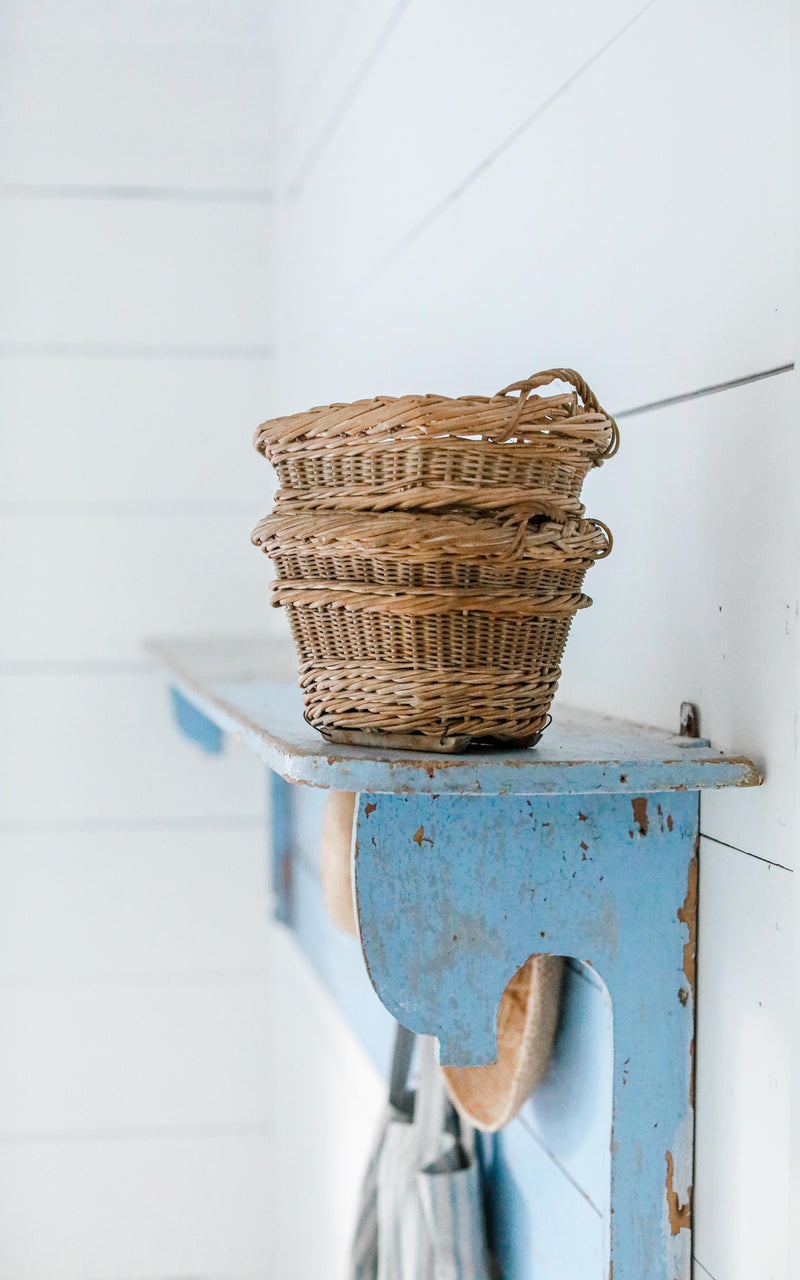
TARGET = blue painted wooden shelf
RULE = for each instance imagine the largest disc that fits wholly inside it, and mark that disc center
(246, 686)
(584, 846)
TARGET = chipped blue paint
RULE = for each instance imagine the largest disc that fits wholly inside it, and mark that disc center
(454, 893)
(198, 726)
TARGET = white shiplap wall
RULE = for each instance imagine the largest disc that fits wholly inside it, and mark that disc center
(470, 194)
(137, 1122)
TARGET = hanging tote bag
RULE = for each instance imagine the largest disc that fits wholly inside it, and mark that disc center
(421, 1213)
(449, 1186)
(364, 1253)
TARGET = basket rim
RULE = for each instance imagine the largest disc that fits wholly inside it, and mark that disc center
(424, 537)
(513, 414)
(420, 602)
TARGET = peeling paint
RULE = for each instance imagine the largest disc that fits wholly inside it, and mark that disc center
(680, 1215)
(640, 814)
(369, 808)
(687, 914)
(420, 838)
(670, 823)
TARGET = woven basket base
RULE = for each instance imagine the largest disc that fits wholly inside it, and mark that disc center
(398, 707)
(420, 741)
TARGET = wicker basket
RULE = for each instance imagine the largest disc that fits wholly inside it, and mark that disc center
(520, 454)
(429, 631)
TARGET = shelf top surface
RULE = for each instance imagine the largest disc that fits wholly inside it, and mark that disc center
(247, 686)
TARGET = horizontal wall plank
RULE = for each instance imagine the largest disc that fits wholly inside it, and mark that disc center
(98, 907)
(698, 600)
(585, 243)
(117, 272)
(88, 587)
(139, 1209)
(133, 431)
(134, 1057)
(183, 97)
(743, 1066)
(99, 748)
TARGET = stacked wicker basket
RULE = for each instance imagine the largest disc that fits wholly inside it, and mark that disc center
(430, 554)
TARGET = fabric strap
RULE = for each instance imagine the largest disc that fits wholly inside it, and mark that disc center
(421, 1215)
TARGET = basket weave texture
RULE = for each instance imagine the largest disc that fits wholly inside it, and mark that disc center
(430, 554)
(517, 452)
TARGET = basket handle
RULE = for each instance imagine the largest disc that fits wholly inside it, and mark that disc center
(515, 550)
(599, 524)
(590, 401)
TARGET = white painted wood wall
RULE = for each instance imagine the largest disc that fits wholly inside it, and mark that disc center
(215, 212)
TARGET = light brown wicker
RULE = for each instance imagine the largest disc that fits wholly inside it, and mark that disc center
(442, 553)
(437, 630)
(516, 452)
(335, 840)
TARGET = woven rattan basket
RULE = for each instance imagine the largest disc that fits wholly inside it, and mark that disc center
(516, 453)
(429, 631)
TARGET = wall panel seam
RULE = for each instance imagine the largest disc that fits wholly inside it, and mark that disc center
(711, 390)
(126, 507)
(779, 866)
(136, 1133)
(107, 191)
(705, 1270)
(138, 350)
(55, 981)
(553, 1158)
(123, 826)
(343, 104)
(445, 202)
